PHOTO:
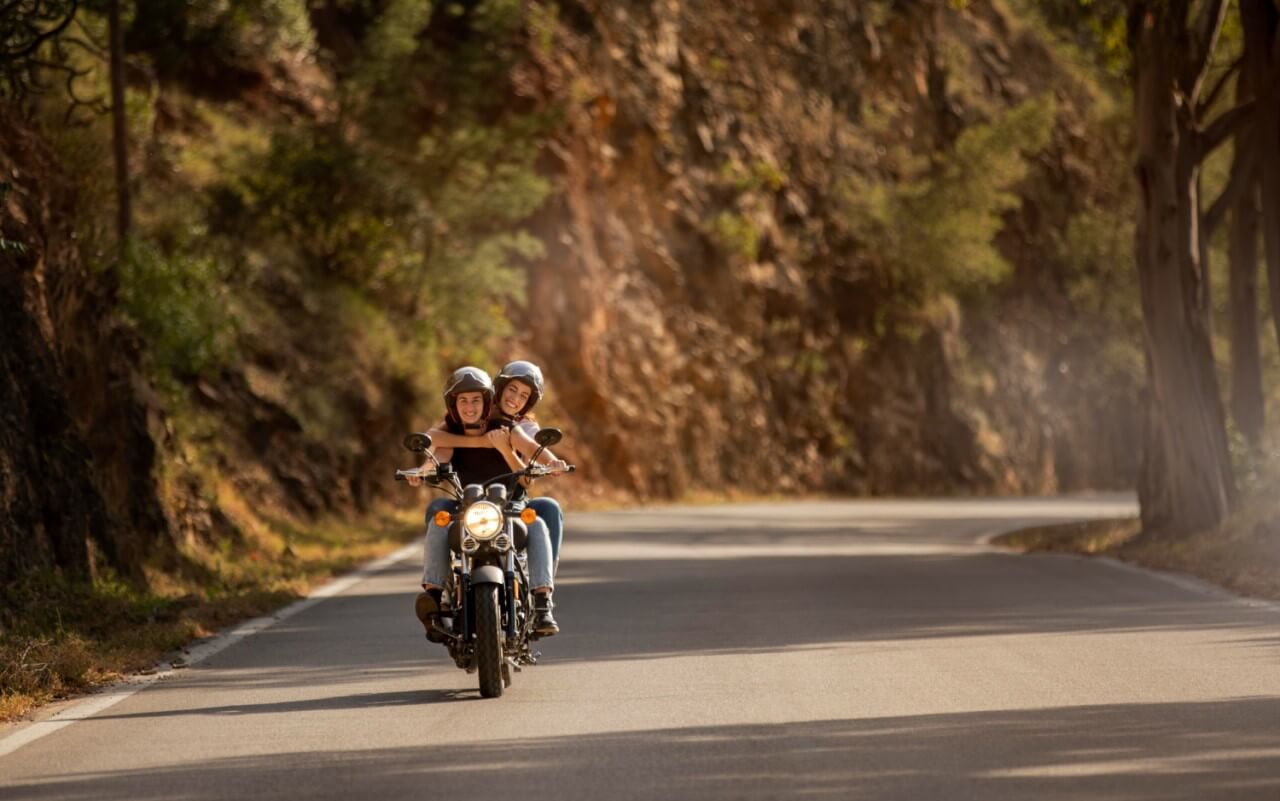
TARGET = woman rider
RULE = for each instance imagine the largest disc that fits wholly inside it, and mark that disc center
(519, 387)
(468, 397)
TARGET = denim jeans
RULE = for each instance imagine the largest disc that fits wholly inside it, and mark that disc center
(436, 561)
(549, 510)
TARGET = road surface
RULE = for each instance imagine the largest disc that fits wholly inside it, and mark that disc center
(835, 650)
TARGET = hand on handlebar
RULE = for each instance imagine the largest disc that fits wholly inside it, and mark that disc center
(553, 468)
(414, 477)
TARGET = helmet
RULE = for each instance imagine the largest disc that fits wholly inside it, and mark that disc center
(467, 379)
(526, 372)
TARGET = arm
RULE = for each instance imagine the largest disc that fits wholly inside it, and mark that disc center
(501, 439)
(447, 439)
(442, 455)
(525, 446)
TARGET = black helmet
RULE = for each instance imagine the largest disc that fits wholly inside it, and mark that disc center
(467, 379)
(526, 372)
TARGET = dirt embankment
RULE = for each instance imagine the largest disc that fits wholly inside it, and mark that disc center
(707, 316)
(77, 448)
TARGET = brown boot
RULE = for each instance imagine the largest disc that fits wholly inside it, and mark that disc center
(544, 625)
(427, 608)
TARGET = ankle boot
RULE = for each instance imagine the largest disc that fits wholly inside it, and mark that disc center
(544, 625)
(427, 608)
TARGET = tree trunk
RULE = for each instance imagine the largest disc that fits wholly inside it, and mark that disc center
(1247, 404)
(124, 213)
(1198, 487)
(1261, 21)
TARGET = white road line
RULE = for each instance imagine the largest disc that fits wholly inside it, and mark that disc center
(115, 693)
(1180, 580)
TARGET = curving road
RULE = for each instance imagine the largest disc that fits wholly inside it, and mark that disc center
(843, 650)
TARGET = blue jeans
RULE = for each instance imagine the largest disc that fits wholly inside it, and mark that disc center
(549, 511)
(436, 561)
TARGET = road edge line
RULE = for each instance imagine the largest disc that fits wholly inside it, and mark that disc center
(1183, 581)
(112, 694)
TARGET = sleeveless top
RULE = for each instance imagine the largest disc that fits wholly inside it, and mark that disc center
(479, 465)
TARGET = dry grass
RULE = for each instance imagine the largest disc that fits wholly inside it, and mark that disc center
(58, 639)
(1243, 556)
(1088, 537)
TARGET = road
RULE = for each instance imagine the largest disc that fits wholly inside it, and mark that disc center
(835, 650)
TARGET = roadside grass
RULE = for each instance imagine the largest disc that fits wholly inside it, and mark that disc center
(59, 638)
(1242, 556)
(1092, 537)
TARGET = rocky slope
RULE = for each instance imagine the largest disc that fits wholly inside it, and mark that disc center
(709, 315)
(687, 361)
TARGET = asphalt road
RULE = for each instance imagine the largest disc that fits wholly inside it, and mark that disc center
(859, 650)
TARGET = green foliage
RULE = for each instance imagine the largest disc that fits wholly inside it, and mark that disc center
(391, 44)
(177, 302)
(325, 198)
(1098, 27)
(736, 235)
(759, 175)
(185, 39)
(937, 233)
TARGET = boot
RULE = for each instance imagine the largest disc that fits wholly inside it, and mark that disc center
(427, 607)
(544, 625)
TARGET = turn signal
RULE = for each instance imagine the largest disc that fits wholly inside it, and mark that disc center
(528, 515)
(443, 518)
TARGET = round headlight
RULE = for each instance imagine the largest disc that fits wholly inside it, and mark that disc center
(483, 520)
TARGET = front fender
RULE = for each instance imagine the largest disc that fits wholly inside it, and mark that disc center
(487, 574)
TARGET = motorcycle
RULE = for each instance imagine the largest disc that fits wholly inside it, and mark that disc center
(486, 619)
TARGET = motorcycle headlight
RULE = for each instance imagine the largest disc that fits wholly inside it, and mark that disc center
(482, 520)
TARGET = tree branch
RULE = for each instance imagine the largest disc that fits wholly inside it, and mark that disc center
(41, 38)
(1204, 37)
(1225, 125)
(1207, 104)
(1243, 177)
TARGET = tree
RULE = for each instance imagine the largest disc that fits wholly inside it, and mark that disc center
(24, 28)
(1191, 486)
(1261, 22)
(119, 127)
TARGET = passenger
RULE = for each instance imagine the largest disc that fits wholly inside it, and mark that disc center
(468, 399)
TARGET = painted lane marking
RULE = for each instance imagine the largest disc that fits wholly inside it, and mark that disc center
(115, 693)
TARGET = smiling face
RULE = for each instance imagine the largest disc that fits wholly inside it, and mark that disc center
(514, 398)
(470, 406)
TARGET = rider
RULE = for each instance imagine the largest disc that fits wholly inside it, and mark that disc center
(468, 397)
(519, 387)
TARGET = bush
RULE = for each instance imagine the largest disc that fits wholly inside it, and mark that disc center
(178, 304)
(937, 233)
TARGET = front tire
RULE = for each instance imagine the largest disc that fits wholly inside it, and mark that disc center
(489, 659)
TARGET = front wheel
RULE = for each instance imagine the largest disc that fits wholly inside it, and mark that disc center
(489, 660)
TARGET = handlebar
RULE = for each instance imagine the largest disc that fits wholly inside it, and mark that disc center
(532, 471)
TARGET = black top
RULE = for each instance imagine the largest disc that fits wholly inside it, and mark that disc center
(480, 465)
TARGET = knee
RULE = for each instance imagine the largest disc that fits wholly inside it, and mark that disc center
(546, 507)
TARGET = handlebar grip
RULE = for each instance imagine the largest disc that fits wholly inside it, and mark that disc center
(400, 476)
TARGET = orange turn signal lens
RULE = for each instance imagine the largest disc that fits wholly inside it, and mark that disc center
(528, 515)
(443, 518)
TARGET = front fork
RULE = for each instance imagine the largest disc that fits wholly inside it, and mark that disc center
(509, 590)
(469, 612)
(511, 595)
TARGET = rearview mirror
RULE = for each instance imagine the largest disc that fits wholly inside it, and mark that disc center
(418, 443)
(547, 437)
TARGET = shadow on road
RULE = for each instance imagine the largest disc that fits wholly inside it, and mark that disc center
(1124, 752)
